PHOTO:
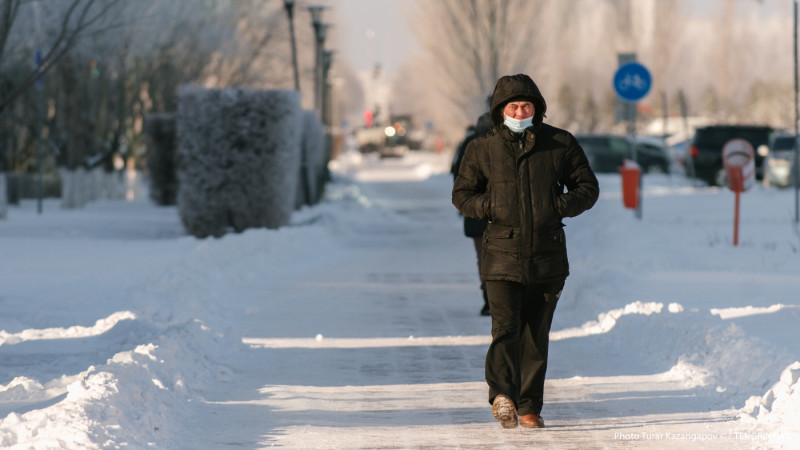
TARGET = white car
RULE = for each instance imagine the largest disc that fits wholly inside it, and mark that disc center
(393, 151)
(779, 161)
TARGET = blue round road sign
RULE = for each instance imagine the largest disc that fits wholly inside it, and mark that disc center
(632, 81)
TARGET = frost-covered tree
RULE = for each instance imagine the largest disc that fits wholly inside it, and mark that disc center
(50, 30)
(59, 27)
(572, 46)
(125, 64)
(470, 43)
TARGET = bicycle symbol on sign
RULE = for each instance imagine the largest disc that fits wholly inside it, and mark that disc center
(632, 81)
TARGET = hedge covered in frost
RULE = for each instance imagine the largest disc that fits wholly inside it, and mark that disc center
(238, 158)
(159, 131)
(314, 161)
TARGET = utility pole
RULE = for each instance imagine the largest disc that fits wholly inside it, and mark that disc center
(796, 134)
(37, 61)
(289, 5)
(319, 33)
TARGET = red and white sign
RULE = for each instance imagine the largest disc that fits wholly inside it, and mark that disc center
(738, 158)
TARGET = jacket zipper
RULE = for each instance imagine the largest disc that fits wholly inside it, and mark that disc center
(519, 191)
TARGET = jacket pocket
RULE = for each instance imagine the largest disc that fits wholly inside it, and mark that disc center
(559, 204)
(501, 238)
(550, 255)
(550, 241)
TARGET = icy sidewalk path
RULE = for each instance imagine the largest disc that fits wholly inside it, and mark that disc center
(364, 383)
(384, 393)
(448, 415)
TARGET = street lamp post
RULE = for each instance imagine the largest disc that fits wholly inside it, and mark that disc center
(796, 162)
(289, 5)
(39, 108)
(327, 60)
(319, 32)
(39, 120)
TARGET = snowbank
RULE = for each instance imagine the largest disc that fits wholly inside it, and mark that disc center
(779, 408)
(138, 396)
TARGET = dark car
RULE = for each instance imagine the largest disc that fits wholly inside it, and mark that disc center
(705, 152)
(607, 151)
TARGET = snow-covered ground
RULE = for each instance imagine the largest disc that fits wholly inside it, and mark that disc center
(358, 326)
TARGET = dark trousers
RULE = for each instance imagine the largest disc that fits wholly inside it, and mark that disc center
(517, 358)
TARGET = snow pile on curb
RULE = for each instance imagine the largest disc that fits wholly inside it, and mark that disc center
(733, 363)
(606, 321)
(133, 398)
(779, 406)
(710, 352)
(100, 327)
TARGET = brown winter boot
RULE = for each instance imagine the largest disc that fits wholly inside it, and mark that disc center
(504, 411)
(531, 421)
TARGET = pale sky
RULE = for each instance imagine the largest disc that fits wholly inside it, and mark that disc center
(371, 31)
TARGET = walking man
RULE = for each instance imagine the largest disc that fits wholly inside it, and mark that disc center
(523, 177)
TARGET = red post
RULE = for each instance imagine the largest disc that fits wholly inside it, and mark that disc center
(737, 158)
(631, 180)
(736, 220)
(736, 183)
(735, 179)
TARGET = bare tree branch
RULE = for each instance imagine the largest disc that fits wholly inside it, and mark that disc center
(67, 36)
(8, 12)
(473, 42)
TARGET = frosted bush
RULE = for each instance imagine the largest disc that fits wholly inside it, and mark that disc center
(238, 158)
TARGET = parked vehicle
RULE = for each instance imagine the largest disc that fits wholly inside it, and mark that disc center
(370, 139)
(779, 163)
(607, 151)
(706, 149)
(677, 148)
(396, 144)
(389, 141)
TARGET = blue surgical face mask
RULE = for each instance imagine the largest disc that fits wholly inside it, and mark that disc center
(517, 125)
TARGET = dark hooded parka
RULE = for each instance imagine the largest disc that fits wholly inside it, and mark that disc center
(524, 184)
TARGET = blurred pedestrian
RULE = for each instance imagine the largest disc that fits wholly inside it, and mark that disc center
(473, 228)
(523, 178)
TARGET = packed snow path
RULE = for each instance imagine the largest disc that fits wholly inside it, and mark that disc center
(380, 345)
(358, 326)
